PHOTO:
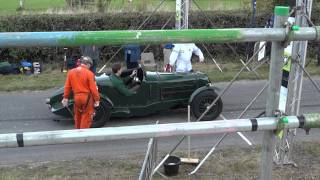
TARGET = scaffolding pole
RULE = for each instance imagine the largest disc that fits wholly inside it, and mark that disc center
(182, 14)
(77, 38)
(307, 5)
(275, 76)
(284, 145)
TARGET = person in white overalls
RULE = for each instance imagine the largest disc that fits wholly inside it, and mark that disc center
(181, 56)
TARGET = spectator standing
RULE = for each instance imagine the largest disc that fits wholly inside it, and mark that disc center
(132, 55)
(181, 56)
(92, 52)
(81, 82)
(167, 50)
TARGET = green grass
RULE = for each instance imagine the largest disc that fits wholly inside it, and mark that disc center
(10, 7)
(230, 70)
(226, 163)
(46, 80)
(208, 5)
(44, 4)
(212, 5)
(52, 77)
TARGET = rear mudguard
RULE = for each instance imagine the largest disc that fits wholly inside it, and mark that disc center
(199, 90)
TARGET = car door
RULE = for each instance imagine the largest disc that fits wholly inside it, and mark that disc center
(177, 86)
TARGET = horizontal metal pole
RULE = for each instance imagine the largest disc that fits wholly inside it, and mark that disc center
(77, 38)
(150, 131)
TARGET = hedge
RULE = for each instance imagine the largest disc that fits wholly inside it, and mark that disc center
(123, 21)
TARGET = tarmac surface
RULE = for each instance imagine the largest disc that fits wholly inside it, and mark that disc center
(27, 111)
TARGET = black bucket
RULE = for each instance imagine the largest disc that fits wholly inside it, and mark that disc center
(171, 165)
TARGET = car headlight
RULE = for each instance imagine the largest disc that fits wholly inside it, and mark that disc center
(48, 101)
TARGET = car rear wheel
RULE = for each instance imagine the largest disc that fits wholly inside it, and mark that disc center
(102, 115)
(202, 101)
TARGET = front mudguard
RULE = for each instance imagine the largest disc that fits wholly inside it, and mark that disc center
(201, 89)
(103, 97)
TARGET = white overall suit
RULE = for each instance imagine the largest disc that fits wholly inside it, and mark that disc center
(181, 56)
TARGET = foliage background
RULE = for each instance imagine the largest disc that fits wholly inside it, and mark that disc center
(75, 21)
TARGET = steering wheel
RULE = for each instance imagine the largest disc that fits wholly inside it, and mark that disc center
(136, 79)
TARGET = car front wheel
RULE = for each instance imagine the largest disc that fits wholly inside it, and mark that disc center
(102, 114)
(202, 101)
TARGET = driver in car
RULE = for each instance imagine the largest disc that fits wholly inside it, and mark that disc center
(119, 83)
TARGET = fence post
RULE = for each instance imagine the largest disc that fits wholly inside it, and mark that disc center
(281, 15)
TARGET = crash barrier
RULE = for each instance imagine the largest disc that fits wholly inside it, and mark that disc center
(150, 160)
(306, 121)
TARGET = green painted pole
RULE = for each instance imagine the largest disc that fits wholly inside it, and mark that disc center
(75, 38)
(312, 121)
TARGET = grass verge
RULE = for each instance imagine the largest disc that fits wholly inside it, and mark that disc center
(10, 7)
(48, 79)
(228, 163)
(230, 70)
(52, 77)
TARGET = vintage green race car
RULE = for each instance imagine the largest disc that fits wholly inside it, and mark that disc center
(158, 91)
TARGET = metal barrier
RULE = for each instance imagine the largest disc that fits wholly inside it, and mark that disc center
(64, 39)
(150, 160)
(155, 131)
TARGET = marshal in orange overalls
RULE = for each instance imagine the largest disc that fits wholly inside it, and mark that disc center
(81, 82)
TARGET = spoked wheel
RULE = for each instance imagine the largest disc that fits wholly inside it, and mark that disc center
(102, 114)
(202, 101)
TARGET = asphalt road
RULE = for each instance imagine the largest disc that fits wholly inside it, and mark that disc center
(27, 111)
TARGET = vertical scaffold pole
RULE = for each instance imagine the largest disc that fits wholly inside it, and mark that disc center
(182, 14)
(178, 14)
(285, 145)
(185, 14)
(307, 8)
(281, 16)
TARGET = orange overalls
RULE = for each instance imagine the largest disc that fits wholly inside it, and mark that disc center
(81, 82)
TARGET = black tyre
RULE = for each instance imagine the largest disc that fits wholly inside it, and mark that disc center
(102, 115)
(202, 101)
